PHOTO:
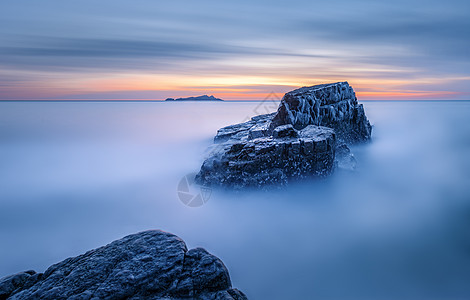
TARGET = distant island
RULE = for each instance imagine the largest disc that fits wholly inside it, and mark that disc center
(198, 98)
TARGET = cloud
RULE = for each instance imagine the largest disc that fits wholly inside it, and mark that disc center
(434, 35)
(58, 53)
(293, 42)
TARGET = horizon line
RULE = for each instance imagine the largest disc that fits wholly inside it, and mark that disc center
(161, 100)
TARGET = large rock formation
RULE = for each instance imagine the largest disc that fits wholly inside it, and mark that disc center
(147, 265)
(297, 141)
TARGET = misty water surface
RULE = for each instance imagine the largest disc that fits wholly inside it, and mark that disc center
(75, 176)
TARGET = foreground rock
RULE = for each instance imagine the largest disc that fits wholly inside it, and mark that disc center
(147, 265)
(298, 141)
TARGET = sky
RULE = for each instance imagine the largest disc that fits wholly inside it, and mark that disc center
(237, 50)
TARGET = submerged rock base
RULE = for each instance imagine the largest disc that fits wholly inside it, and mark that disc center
(147, 265)
(288, 154)
(298, 141)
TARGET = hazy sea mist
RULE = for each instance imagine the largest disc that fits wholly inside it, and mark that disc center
(75, 176)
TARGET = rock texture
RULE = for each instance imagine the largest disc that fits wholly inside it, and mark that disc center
(297, 141)
(147, 265)
(287, 154)
(332, 105)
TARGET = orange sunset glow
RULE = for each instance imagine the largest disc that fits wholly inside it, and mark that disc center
(158, 87)
(109, 53)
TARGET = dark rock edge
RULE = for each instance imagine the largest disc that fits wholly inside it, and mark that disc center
(151, 264)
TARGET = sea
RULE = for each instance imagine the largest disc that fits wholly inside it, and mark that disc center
(78, 175)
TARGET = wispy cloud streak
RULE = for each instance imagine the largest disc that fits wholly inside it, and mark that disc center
(411, 49)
